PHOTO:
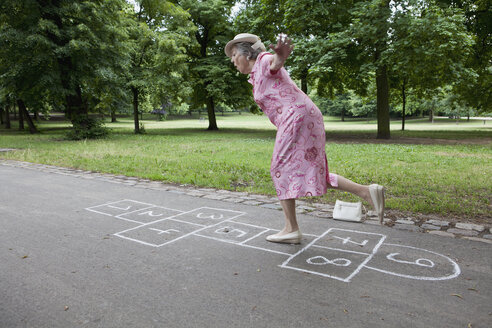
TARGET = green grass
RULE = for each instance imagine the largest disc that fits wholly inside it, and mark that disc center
(442, 168)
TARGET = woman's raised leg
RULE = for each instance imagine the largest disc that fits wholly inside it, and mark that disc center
(373, 194)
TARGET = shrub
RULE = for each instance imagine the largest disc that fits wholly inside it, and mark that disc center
(85, 127)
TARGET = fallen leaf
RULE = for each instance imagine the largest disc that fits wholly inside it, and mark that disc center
(345, 310)
(24, 257)
(65, 308)
(258, 270)
(253, 308)
(469, 325)
(475, 290)
(457, 295)
(235, 273)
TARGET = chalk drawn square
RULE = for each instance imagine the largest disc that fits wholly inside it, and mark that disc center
(326, 262)
(150, 214)
(350, 240)
(119, 207)
(159, 233)
(232, 232)
(208, 216)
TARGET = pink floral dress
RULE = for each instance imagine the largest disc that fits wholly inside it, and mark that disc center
(299, 167)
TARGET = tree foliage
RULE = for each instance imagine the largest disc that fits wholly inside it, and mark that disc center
(99, 56)
(59, 52)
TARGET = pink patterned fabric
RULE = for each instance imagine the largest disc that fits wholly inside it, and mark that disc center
(299, 167)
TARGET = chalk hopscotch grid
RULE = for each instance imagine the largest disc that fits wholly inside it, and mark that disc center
(291, 256)
(173, 218)
(243, 243)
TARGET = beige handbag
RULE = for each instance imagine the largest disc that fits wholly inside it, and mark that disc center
(347, 211)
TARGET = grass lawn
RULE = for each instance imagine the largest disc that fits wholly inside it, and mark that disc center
(442, 168)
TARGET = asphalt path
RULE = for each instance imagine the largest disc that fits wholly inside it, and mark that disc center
(78, 252)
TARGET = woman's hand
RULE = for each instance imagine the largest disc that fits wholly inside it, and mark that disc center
(282, 49)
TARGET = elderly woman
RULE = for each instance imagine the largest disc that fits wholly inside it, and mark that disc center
(299, 167)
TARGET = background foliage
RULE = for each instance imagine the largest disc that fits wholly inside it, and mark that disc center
(372, 58)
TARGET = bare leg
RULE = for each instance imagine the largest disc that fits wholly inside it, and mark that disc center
(344, 184)
(362, 191)
(289, 207)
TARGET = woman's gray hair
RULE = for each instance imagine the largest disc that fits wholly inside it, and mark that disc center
(245, 49)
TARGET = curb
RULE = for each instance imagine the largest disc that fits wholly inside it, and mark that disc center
(469, 231)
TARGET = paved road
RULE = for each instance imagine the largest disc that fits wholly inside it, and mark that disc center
(89, 253)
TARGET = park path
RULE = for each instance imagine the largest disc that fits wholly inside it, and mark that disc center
(92, 250)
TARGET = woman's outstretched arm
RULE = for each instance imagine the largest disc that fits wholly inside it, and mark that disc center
(282, 49)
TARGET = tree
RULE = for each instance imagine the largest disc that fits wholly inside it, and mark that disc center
(211, 73)
(57, 51)
(158, 32)
(476, 92)
(429, 49)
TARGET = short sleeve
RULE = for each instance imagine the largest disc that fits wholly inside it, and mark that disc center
(264, 67)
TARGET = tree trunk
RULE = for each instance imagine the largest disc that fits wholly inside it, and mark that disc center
(75, 105)
(21, 120)
(382, 84)
(343, 115)
(431, 115)
(7, 117)
(383, 103)
(135, 110)
(113, 115)
(212, 122)
(403, 97)
(1, 115)
(24, 113)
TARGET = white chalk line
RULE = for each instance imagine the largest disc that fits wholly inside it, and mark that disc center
(91, 209)
(255, 236)
(190, 233)
(456, 273)
(194, 232)
(228, 241)
(304, 248)
(181, 221)
(356, 271)
(136, 240)
(314, 272)
(341, 250)
(374, 250)
(166, 208)
(149, 223)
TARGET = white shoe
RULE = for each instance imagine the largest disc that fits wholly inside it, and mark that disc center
(377, 196)
(290, 238)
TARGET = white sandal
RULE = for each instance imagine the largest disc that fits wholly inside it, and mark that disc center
(289, 238)
(377, 195)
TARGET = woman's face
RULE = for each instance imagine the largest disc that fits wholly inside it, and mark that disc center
(242, 64)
